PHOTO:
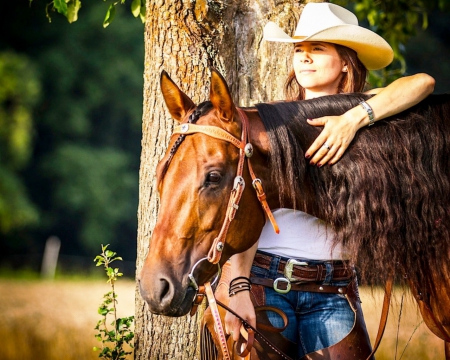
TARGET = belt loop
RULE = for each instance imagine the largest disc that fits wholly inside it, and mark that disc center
(274, 265)
(329, 272)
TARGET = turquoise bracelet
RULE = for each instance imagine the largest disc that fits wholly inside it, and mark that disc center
(369, 110)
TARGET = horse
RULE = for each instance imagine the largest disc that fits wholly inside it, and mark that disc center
(387, 199)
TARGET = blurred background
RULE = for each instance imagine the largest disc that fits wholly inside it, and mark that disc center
(70, 133)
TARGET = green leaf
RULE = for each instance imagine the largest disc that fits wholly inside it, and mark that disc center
(109, 15)
(103, 311)
(136, 8)
(60, 6)
(143, 10)
(73, 6)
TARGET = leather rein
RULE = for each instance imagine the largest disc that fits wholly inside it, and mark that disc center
(247, 331)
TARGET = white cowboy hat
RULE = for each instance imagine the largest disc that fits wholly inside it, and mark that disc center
(331, 23)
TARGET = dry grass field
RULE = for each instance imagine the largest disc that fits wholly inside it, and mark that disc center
(44, 320)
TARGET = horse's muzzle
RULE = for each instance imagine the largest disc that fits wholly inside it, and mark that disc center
(165, 297)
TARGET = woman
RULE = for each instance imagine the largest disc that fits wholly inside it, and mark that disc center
(332, 54)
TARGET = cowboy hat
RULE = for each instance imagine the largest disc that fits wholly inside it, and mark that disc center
(331, 23)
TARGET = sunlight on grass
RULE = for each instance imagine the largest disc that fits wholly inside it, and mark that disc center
(415, 340)
(52, 320)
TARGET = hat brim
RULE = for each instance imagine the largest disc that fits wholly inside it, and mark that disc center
(372, 50)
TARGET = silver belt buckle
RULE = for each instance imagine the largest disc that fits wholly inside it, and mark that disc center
(288, 270)
(281, 291)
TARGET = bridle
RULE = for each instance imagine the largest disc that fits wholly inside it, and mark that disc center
(245, 152)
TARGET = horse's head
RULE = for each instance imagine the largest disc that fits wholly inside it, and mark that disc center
(196, 179)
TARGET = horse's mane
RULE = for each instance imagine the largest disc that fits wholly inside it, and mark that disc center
(387, 199)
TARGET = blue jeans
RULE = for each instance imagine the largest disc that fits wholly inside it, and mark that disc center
(316, 320)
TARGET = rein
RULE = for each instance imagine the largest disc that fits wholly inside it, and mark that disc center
(247, 331)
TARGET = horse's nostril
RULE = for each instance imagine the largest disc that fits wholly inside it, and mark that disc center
(157, 293)
(164, 289)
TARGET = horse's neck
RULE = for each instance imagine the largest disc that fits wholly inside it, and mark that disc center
(300, 195)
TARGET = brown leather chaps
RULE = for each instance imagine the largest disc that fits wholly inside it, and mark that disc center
(354, 346)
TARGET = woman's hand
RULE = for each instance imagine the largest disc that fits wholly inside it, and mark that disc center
(336, 136)
(339, 131)
(241, 304)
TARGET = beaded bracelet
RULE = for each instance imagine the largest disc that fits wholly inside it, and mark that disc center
(369, 110)
(241, 283)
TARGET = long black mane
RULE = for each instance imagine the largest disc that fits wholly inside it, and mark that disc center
(387, 199)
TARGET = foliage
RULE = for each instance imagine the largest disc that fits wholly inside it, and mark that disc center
(70, 9)
(19, 92)
(396, 21)
(93, 185)
(113, 340)
(70, 130)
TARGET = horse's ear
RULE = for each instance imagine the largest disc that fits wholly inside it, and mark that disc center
(177, 101)
(220, 96)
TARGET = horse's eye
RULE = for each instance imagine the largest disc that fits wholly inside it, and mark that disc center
(213, 177)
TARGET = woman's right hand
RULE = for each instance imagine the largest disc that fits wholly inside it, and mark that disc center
(242, 305)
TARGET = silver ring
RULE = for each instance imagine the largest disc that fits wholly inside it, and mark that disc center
(325, 145)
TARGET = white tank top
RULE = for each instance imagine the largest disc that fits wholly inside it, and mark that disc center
(302, 236)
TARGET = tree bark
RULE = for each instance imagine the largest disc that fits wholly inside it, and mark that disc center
(185, 38)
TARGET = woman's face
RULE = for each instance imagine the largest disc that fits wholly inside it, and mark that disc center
(318, 68)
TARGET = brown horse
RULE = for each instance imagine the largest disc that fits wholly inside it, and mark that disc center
(387, 199)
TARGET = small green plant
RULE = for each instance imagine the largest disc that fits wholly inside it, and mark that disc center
(112, 339)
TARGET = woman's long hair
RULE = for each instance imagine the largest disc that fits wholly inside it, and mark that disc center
(387, 199)
(354, 80)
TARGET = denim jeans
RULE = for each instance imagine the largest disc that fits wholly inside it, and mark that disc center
(316, 320)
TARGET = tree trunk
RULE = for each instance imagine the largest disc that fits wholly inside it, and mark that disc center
(185, 38)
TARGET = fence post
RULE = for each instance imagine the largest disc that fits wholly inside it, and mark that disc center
(50, 259)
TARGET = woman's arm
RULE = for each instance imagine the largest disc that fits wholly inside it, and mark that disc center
(241, 303)
(339, 131)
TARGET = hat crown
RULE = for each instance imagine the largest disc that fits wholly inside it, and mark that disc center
(317, 17)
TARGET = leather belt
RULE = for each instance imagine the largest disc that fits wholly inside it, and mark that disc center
(284, 287)
(303, 272)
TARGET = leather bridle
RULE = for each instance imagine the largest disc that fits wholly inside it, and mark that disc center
(245, 152)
